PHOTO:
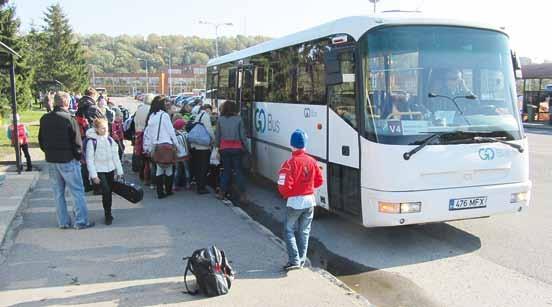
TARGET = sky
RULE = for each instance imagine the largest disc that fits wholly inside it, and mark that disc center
(526, 21)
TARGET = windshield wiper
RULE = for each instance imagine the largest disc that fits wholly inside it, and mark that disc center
(499, 140)
(426, 141)
(471, 97)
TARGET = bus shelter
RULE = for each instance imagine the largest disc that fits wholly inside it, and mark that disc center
(7, 60)
(536, 91)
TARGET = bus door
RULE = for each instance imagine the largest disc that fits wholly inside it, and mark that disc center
(244, 99)
(343, 138)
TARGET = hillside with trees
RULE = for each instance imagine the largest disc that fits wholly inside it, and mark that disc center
(123, 54)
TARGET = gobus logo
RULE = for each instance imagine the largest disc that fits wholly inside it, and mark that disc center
(264, 122)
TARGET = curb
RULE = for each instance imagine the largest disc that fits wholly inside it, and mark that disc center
(279, 242)
(17, 212)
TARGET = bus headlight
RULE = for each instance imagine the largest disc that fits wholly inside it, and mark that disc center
(518, 197)
(410, 207)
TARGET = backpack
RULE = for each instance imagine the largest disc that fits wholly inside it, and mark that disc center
(199, 134)
(83, 124)
(129, 128)
(182, 150)
(94, 143)
(212, 271)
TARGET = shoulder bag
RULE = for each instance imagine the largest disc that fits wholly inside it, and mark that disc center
(163, 153)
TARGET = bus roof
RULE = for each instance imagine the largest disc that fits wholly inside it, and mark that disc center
(355, 26)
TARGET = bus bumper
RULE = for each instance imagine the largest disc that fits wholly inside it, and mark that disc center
(435, 204)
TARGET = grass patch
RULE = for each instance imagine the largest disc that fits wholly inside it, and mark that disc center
(26, 117)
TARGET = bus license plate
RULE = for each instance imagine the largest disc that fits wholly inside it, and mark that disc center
(468, 203)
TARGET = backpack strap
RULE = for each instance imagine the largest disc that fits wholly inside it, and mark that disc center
(189, 268)
(159, 129)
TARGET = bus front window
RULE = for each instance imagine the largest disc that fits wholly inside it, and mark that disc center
(431, 79)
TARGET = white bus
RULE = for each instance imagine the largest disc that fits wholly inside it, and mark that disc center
(412, 120)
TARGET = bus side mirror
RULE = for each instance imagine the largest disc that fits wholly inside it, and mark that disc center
(517, 66)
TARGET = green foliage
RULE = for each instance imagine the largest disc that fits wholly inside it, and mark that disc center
(62, 57)
(9, 27)
(120, 54)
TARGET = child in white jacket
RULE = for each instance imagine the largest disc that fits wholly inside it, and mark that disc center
(103, 163)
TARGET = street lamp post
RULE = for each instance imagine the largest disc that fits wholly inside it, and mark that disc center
(147, 76)
(217, 25)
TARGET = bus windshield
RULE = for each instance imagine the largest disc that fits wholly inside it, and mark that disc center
(422, 80)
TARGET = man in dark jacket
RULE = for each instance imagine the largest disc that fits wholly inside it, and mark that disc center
(87, 106)
(59, 138)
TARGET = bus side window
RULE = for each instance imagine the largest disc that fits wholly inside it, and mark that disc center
(341, 97)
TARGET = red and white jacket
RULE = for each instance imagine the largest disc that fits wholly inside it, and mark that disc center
(299, 176)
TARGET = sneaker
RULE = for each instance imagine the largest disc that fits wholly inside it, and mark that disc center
(290, 266)
(64, 226)
(220, 195)
(227, 202)
(87, 225)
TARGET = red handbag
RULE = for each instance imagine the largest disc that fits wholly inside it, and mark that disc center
(164, 153)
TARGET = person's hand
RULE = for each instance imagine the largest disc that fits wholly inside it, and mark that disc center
(118, 177)
(96, 180)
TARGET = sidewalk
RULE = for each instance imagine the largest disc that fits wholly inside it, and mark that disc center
(13, 189)
(138, 260)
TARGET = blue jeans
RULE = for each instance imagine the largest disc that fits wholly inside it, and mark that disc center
(301, 221)
(68, 175)
(231, 162)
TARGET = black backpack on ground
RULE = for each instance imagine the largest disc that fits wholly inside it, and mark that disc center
(212, 271)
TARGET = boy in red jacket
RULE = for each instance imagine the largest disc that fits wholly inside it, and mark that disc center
(297, 180)
(22, 135)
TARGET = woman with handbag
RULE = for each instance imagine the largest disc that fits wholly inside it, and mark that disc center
(160, 141)
(230, 140)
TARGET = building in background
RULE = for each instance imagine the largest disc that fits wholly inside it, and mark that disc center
(183, 78)
(535, 90)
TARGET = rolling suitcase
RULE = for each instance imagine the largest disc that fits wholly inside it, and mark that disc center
(129, 191)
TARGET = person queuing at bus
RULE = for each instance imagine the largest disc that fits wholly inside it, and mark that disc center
(183, 175)
(87, 112)
(106, 110)
(102, 160)
(186, 112)
(159, 130)
(117, 132)
(230, 140)
(23, 138)
(88, 108)
(201, 154)
(140, 120)
(60, 140)
(297, 180)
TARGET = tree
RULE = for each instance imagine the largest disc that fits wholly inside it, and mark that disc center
(9, 28)
(63, 55)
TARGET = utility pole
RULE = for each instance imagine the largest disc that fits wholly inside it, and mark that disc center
(375, 3)
(216, 25)
(147, 76)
